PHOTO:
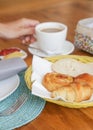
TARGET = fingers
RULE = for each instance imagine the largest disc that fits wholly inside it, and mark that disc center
(27, 39)
(26, 31)
(22, 27)
(29, 22)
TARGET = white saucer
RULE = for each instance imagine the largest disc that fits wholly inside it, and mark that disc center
(67, 49)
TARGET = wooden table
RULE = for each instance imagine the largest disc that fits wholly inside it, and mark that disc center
(53, 117)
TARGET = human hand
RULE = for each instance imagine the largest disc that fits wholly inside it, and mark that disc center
(23, 29)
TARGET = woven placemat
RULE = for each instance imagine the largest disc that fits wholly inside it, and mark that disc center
(28, 112)
(84, 59)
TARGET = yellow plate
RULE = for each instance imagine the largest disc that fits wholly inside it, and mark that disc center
(84, 59)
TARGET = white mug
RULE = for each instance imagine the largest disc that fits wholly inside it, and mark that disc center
(51, 37)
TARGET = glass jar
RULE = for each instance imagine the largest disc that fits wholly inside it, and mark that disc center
(84, 35)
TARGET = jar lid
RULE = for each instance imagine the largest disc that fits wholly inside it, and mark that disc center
(85, 27)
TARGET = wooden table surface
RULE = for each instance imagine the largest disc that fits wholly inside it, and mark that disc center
(53, 117)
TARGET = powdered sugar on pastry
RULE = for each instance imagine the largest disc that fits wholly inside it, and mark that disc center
(72, 67)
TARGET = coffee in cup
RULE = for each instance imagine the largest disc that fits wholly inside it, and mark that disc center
(51, 30)
(51, 37)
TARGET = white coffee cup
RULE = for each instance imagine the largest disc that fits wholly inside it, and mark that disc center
(51, 37)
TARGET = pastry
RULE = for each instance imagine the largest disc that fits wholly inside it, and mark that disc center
(85, 79)
(52, 81)
(75, 92)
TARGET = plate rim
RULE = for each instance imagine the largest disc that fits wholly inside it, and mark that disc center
(13, 90)
(22, 51)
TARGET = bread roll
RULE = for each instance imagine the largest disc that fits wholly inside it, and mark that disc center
(75, 92)
(72, 67)
(52, 81)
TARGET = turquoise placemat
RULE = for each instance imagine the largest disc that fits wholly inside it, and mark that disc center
(28, 112)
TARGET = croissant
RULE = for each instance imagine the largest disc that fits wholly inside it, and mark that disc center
(85, 79)
(75, 92)
(52, 81)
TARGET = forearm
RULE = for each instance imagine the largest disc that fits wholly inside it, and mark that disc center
(7, 31)
(22, 28)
